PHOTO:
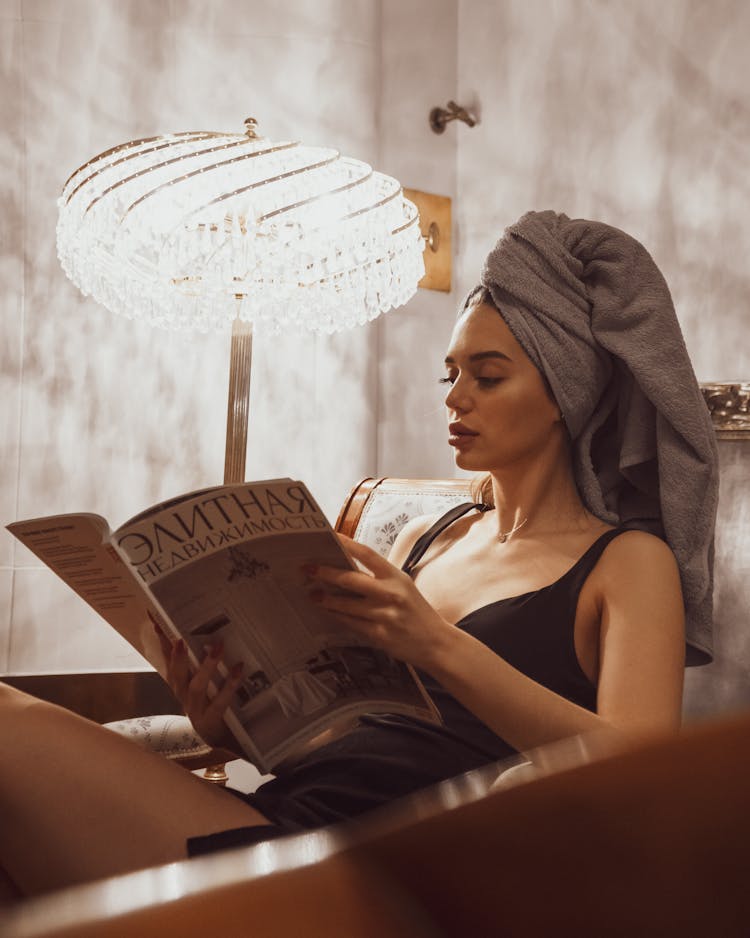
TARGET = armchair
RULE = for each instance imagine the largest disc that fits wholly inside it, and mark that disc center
(373, 513)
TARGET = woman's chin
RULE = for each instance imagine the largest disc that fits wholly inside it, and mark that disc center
(465, 461)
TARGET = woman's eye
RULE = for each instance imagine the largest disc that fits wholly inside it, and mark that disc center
(483, 382)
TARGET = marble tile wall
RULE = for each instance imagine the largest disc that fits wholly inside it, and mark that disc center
(106, 415)
(724, 685)
(418, 72)
(636, 114)
(11, 295)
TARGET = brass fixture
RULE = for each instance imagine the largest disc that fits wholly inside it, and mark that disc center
(439, 116)
(435, 227)
(729, 404)
(432, 238)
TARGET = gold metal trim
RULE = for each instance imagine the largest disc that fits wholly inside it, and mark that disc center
(729, 405)
(267, 181)
(196, 172)
(371, 208)
(216, 774)
(250, 126)
(407, 224)
(198, 134)
(315, 198)
(131, 156)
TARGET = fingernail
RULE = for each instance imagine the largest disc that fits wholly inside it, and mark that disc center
(237, 669)
(315, 596)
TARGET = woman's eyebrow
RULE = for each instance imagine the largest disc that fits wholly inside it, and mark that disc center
(480, 356)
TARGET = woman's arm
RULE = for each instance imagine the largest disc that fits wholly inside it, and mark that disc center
(641, 646)
(642, 634)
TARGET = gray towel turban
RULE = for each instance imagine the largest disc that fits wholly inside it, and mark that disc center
(592, 311)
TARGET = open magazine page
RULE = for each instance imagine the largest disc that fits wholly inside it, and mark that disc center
(226, 566)
(78, 549)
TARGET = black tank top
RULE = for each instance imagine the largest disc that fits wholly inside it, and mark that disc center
(533, 632)
(388, 756)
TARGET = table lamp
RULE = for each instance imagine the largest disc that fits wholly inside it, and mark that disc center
(217, 231)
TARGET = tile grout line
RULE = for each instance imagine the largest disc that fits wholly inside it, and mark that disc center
(21, 340)
(379, 340)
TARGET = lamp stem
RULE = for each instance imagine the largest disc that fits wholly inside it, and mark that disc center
(238, 402)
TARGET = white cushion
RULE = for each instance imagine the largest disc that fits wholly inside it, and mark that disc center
(388, 510)
(170, 735)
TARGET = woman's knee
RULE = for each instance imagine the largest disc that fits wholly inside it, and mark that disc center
(15, 706)
(11, 698)
(24, 717)
(18, 701)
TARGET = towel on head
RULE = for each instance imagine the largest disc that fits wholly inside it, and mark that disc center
(592, 311)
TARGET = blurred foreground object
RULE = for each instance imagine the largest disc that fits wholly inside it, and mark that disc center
(654, 841)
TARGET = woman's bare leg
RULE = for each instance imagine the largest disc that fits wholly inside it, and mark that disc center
(78, 802)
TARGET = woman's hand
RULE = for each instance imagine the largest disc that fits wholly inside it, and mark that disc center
(191, 689)
(383, 606)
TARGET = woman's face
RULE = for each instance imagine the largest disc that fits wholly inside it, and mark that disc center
(499, 410)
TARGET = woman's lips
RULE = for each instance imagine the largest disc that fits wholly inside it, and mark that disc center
(460, 436)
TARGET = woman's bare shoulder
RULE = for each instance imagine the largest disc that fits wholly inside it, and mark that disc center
(409, 535)
(635, 549)
(637, 560)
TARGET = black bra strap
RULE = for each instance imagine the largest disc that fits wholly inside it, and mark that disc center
(423, 542)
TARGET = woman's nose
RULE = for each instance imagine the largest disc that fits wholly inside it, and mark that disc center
(456, 398)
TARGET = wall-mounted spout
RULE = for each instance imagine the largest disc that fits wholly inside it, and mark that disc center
(439, 116)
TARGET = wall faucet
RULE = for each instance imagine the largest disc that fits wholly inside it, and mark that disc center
(439, 116)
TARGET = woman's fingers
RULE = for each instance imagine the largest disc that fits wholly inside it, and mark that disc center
(349, 606)
(366, 555)
(164, 642)
(191, 688)
(355, 584)
(198, 686)
(224, 697)
(358, 583)
(179, 670)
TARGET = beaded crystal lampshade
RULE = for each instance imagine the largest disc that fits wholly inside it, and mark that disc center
(212, 231)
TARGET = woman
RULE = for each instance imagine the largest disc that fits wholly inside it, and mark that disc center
(530, 618)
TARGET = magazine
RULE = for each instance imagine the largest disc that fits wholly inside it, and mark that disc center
(226, 564)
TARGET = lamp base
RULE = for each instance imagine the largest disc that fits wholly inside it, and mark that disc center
(238, 401)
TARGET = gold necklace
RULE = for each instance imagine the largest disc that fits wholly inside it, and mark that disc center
(504, 535)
